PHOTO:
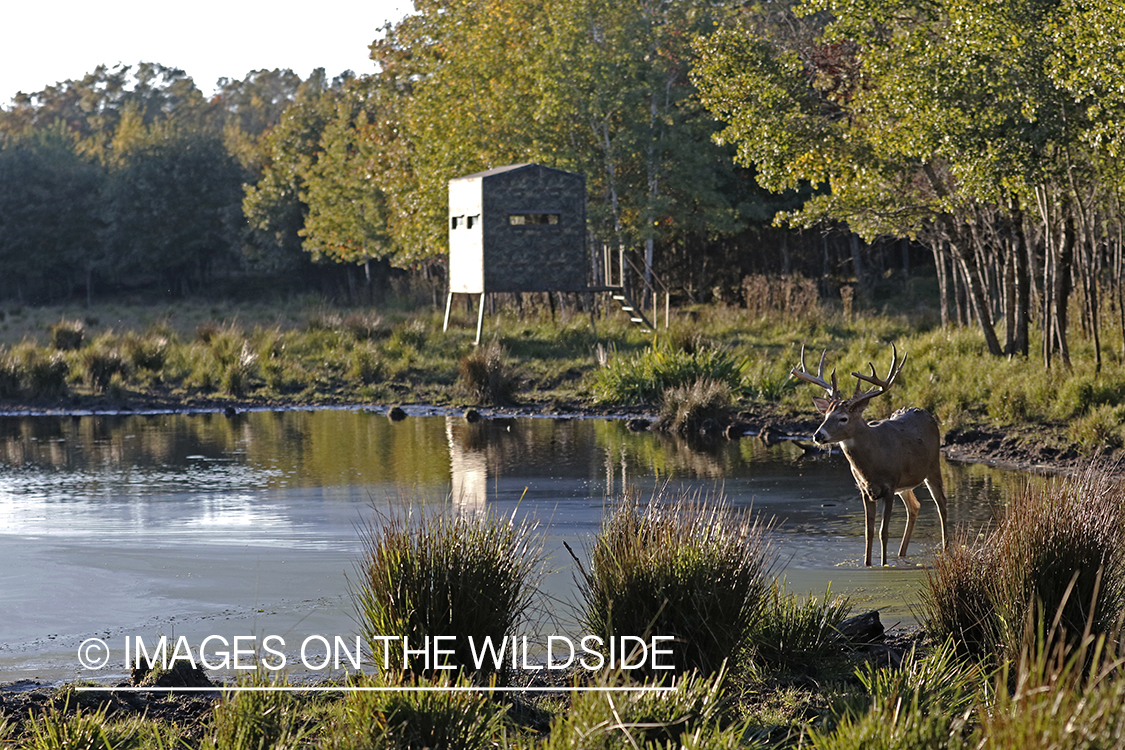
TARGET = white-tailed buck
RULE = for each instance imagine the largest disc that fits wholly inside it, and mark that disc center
(890, 456)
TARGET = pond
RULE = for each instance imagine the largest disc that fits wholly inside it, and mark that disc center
(196, 525)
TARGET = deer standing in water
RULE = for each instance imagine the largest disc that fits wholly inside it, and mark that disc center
(889, 456)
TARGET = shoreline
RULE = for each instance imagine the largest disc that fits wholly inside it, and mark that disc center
(1031, 449)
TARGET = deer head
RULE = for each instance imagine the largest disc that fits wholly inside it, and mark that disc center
(842, 415)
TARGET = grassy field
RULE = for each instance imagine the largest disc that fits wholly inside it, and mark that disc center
(711, 362)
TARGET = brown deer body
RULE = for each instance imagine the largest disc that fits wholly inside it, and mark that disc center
(887, 457)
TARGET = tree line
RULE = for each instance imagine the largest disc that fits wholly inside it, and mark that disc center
(992, 132)
(717, 138)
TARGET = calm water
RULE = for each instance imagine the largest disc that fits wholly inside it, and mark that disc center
(204, 525)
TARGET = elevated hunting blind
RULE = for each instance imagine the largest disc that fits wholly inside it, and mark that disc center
(519, 228)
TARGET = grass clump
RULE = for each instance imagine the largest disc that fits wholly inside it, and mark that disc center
(645, 377)
(436, 719)
(365, 364)
(484, 375)
(694, 715)
(40, 374)
(67, 335)
(1058, 552)
(429, 574)
(924, 704)
(796, 633)
(146, 351)
(256, 719)
(1098, 430)
(100, 362)
(687, 568)
(684, 409)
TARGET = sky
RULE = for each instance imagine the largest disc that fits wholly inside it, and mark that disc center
(42, 43)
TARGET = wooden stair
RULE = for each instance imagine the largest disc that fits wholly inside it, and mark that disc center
(634, 312)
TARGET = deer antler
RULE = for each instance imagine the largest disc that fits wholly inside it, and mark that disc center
(882, 384)
(803, 374)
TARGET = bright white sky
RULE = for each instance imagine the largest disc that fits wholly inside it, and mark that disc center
(45, 42)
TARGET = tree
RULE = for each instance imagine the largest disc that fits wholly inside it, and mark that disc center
(939, 121)
(48, 214)
(172, 208)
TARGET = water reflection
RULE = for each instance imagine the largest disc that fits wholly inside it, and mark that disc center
(151, 523)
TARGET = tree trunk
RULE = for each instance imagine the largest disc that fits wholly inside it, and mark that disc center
(977, 297)
(1064, 285)
(1021, 253)
(943, 281)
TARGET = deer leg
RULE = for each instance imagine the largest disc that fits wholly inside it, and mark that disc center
(912, 507)
(937, 492)
(885, 526)
(868, 526)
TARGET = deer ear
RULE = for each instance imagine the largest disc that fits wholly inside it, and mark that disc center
(857, 406)
(822, 405)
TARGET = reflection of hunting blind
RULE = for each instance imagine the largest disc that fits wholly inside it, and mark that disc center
(520, 228)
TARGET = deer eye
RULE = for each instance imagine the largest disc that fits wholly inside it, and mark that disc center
(843, 420)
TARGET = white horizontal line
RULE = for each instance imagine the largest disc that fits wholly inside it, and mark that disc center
(359, 689)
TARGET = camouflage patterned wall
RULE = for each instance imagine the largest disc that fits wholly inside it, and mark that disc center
(534, 230)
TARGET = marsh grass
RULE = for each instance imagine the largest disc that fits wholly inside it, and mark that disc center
(694, 715)
(645, 377)
(1059, 550)
(101, 361)
(41, 373)
(257, 719)
(67, 335)
(324, 354)
(685, 408)
(436, 719)
(61, 728)
(797, 633)
(425, 574)
(484, 375)
(1060, 693)
(683, 566)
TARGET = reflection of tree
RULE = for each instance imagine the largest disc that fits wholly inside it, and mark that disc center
(668, 454)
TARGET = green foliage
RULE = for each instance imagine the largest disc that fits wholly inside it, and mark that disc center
(484, 375)
(146, 351)
(367, 366)
(41, 374)
(684, 567)
(695, 714)
(645, 377)
(1099, 430)
(924, 703)
(256, 719)
(49, 198)
(57, 731)
(1059, 695)
(1081, 393)
(437, 719)
(173, 206)
(436, 574)
(795, 633)
(1059, 554)
(684, 409)
(101, 361)
(67, 335)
